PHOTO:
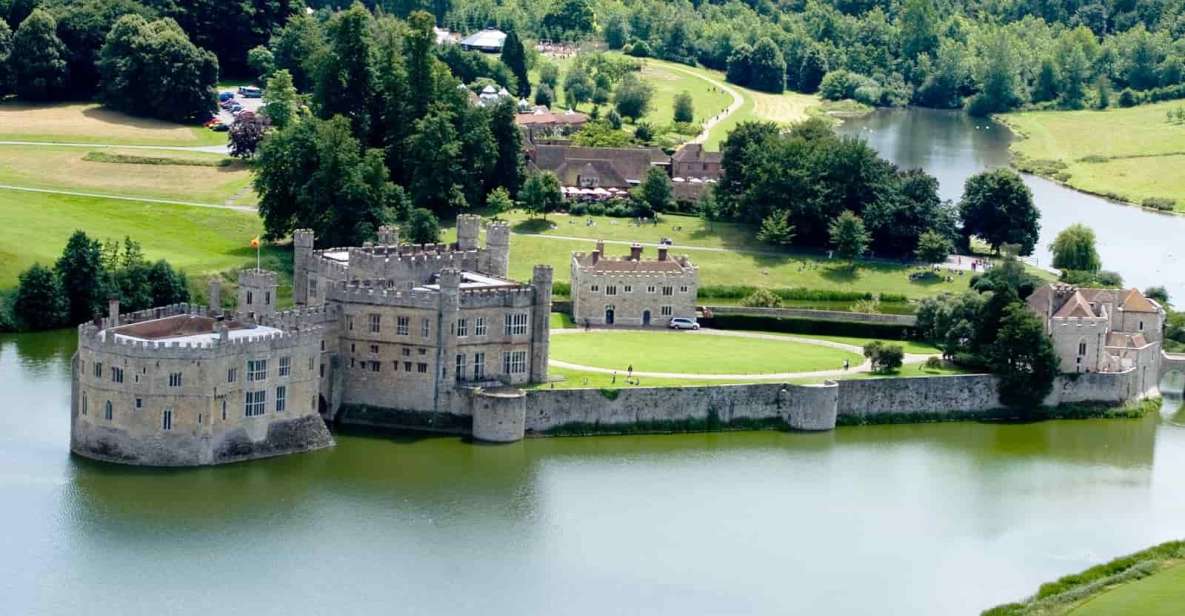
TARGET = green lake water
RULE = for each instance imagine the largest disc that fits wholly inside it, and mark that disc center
(925, 519)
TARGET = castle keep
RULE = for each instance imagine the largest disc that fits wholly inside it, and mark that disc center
(428, 332)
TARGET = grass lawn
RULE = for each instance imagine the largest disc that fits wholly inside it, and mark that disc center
(1130, 154)
(663, 351)
(1160, 594)
(67, 168)
(912, 347)
(34, 228)
(759, 269)
(92, 123)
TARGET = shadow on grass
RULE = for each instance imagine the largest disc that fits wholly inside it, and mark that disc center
(532, 225)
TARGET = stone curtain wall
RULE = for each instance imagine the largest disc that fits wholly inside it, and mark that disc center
(973, 393)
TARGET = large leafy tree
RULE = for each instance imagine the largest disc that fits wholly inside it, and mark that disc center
(39, 303)
(298, 47)
(138, 52)
(282, 100)
(656, 191)
(83, 26)
(229, 29)
(508, 139)
(848, 236)
(541, 194)
(346, 80)
(569, 18)
(316, 174)
(80, 272)
(1023, 359)
(632, 97)
(434, 154)
(998, 208)
(1074, 249)
(5, 52)
(38, 58)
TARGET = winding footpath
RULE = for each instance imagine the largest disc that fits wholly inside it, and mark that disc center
(737, 101)
(910, 358)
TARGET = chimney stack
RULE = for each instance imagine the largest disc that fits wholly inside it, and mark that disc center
(635, 252)
(601, 246)
(113, 312)
(662, 252)
(214, 296)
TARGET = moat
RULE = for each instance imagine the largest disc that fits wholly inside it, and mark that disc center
(922, 519)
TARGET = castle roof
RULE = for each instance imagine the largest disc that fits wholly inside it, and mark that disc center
(1076, 306)
(614, 167)
(695, 152)
(626, 265)
(188, 329)
(1134, 301)
(1127, 341)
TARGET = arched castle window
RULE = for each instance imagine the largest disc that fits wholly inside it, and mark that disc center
(107, 411)
(1082, 347)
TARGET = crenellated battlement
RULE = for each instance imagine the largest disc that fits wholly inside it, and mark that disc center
(382, 293)
(482, 298)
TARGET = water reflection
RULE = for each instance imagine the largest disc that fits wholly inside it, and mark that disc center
(1141, 245)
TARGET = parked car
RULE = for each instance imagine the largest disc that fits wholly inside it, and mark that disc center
(250, 92)
(220, 128)
(225, 96)
(682, 323)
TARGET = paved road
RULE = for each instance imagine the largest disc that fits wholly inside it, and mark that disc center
(154, 200)
(775, 376)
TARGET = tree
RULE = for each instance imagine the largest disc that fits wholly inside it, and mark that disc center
(569, 17)
(282, 100)
(1074, 249)
(246, 133)
(545, 96)
(1048, 81)
(761, 298)
(139, 52)
(776, 229)
(1023, 359)
(1075, 72)
(80, 272)
(1158, 293)
(38, 58)
(848, 236)
(656, 191)
(508, 139)
(998, 208)
(1102, 88)
(885, 358)
(422, 227)
(933, 247)
(346, 81)
(83, 25)
(515, 58)
(261, 61)
(316, 174)
(434, 151)
(541, 194)
(166, 285)
(297, 48)
(919, 28)
(997, 76)
(549, 73)
(615, 29)
(767, 67)
(644, 132)
(578, 86)
(498, 202)
(632, 97)
(684, 107)
(38, 303)
(5, 52)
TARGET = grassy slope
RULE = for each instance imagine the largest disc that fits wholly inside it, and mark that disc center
(663, 351)
(774, 270)
(65, 168)
(1160, 594)
(1143, 152)
(34, 227)
(91, 123)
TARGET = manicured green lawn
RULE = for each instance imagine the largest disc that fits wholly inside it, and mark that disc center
(682, 352)
(1132, 153)
(93, 123)
(913, 347)
(34, 228)
(1160, 594)
(67, 168)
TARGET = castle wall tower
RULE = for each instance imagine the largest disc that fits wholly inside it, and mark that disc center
(498, 249)
(468, 227)
(302, 261)
(257, 292)
(388, 236)
(449, 307)
(541, 281)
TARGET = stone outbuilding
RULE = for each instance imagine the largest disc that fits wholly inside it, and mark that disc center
(632, 290)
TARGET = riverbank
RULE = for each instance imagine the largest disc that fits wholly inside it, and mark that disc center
(1148, 583)
(1131, 155)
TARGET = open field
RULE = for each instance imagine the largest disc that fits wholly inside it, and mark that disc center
(669, 78)
(1129, 154)
(68, 168)
(681, 352)
(91, 123)
(34, 228)
(1161, 594)
(726, 263)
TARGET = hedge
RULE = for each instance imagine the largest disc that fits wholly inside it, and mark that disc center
(884, 331)
(797, 293)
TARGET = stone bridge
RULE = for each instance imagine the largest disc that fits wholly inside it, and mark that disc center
(1172, 363)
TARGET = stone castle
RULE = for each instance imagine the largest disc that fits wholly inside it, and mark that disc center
(433, 332)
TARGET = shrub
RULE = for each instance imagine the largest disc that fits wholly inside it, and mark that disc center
(762, 298)
(867, 306)
(1159, 203)
(933, 363)
(639, 49)
(885, 358)
(577, 209)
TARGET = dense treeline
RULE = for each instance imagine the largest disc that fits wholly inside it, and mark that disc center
(991, 55)
(87, 274)
(393, 126)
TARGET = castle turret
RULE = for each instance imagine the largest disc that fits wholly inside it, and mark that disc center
(214, 296)
(113, 312)
(498, 249)
(388, 236)
(541, 281)
(468, 227)
(302, 261)
(449, 307)
(257, 292)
